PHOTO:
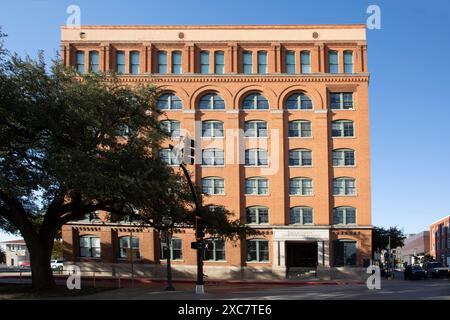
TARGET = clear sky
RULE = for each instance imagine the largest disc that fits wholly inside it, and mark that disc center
(408, 59)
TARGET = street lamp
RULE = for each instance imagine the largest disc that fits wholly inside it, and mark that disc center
(167, 222)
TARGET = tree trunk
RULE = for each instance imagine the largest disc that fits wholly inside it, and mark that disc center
(41, 272)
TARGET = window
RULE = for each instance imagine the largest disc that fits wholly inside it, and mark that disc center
(333, 62)
(247, 61)
(212, 128)
(305, 59)
(213, 185)
(348, 61)
(301, 215)
(80, 61)
(212, 157)
(168, 157)
(257, 215)
(256, 157)
(211, 101)
(134, 62)
(93, 61)
(341, 101)
(344, 187)
(298, 101)
(172, 127)
(300, 157)
(215, 250)
(255, 128)
(301, 187)
(299, 128)
(90, 246)
(343, 157)
(177, 62)
(169, 101)
(204, 62)
(162, 62)
(255, 101)
(262, 62)
(129, 248)
(344, 215)
(176, 249)
(257, 250)
(345, 253)
(258, 186)
(290, 62)
(342, 128)
(120, 62)
(219, 62)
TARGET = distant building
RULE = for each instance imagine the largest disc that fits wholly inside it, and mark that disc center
(416, 245)
(440, 240)
(16, 252)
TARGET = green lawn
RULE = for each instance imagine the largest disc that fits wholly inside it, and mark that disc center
(23, 291)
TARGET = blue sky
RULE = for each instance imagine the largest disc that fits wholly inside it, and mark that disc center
(409, 89)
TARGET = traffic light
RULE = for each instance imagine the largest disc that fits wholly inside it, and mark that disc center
(188, 150)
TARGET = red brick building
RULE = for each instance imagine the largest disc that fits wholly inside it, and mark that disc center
(296, 100)
(440, 240)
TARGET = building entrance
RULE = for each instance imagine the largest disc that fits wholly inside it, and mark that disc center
(301, 254)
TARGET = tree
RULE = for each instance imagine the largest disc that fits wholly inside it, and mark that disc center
(427, 258)
(2, 256)
(57, 252)
(73, 144)
(380, 238)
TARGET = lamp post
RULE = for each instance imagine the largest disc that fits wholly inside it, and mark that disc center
(167, 222)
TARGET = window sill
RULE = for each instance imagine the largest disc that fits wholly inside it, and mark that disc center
(344, 137)
(212, 137)
(256, 195)
(256, 137)
(335, 110)
(345, 195)
(354, 166)
(295, 166)
(300, 137)
(250, 166)
(301, 195)
(212, 166)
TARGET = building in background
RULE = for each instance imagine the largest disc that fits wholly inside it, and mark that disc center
(440, 240)
(295, 96)
(416, 246)
(16, 253)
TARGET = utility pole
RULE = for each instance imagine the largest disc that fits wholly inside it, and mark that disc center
(188, 157)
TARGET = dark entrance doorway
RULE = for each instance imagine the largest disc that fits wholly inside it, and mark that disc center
(301, 254)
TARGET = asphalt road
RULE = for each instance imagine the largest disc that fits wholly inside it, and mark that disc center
(396, 289)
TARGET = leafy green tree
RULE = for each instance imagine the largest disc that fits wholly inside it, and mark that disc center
(57, 252)
(2, 256)
(73, 144)
(380, 238)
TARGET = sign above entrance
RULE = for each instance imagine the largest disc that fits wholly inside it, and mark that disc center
(301, 234)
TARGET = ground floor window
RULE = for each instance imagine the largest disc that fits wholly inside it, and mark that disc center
(215, 250)
(257, 250)
(129, 247)
(345, 253)
(90, 246)
(176, 249)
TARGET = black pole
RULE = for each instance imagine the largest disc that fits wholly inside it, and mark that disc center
(199, 288)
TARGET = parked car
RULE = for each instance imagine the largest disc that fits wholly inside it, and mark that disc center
(25, 264)
(436, 269)
(57, 264)
(414, 272)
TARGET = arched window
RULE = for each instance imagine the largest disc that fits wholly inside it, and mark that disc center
(342, 128)
(298, 101)
(215, 250)
(301, 215)
(258, 215)
(300, 157)
(255, 128)
(343, 157)
(129, 248)
(345, 252)
(344, 215)
(172, 127)
(176, 249)
(301, 186)
(93, 61)
(213, 185)
(256, 185)
(89, 246)
(255, 101)
(212, 128)
(300, 129)
(256, 157)
(169, 101)
(211, 101)
(257, 250)
(213, 157)
(344, 187)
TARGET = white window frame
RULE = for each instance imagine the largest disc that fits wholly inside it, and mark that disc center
(214, 157)
(212, 130)
(345, 181)
(342, 129)
(258, 181)
(214, 187)
(345, 208)
(299, 123)
(258, 218)
(301, 223)
(258, 157)
(342, 151)
(301, 151)
(255, 129)
(302, 188)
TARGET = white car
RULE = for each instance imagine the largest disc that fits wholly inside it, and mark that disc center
(57, 264)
